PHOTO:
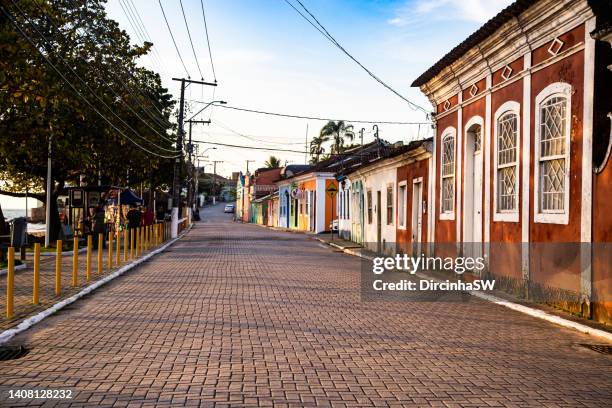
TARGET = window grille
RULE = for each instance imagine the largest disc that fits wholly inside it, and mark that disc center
(448, 174)
(553, 154)
(507, 164)
(389, 205)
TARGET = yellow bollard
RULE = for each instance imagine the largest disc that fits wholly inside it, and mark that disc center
(35, 289)
(118, 249)
(145, 233)
(110, 251)
(131, 243)
(75, 262)
(88, 268)
(10, 282)
(137, 233)
(100, 251)
(58, 268)
(125, 245)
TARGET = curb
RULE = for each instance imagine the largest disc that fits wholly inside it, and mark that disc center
(31, 321)
(18, 267)
(537, 313)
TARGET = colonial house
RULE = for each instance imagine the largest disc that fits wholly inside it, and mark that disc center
(252, 187)
(286, 218)
(521, 146)
(304, 204)
(375, 202)
(273, 210)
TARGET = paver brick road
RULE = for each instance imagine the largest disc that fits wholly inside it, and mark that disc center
(238, 315)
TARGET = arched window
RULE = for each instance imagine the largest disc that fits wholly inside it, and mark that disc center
(447, 175)
(552, 147)
(507, 136)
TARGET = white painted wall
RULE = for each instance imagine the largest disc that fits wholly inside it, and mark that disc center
(320, 205)
(344, 225)
(377, 180)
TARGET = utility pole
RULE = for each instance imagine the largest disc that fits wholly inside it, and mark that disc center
(247, 162)
(176, 187)
(48, 209)
(215, 179)
(190, 188)
(243, 189)
(306, 146)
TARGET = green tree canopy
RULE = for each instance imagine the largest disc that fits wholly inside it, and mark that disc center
(69, 74)
(273, 162)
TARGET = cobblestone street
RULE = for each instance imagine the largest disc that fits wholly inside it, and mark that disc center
(240, 315)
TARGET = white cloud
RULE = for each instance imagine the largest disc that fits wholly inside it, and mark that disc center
(415, 12)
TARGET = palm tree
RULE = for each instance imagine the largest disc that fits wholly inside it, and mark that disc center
(338, 132)
(316, 149)
(273, 162)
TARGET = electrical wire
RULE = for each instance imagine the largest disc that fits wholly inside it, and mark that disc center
(69, 83)
(145, 33)
(160, 120)
(286, 115)
(212, 65)
(173, 40)
(250, 147)
(105, 83)
(327, 35)
(190, 41)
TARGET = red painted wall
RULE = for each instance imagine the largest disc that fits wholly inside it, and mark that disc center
(446, 230)
(408, 173)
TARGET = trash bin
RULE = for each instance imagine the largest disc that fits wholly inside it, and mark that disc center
(19, 228)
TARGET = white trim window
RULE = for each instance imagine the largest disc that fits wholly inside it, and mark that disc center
(390, 205)
(402, 197)
(506, 176)
(447, 175)
(552, 149)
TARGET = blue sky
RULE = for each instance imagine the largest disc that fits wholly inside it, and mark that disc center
(268, 58)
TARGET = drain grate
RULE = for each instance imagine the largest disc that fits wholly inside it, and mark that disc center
(12, 352)
(600, 348)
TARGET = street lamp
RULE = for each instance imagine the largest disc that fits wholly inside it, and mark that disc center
(206, 106)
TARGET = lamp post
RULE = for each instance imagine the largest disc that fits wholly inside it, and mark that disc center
(48, 209)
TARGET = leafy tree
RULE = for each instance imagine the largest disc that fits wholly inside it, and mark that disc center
(316, 149)
(337, 132)
(273, 162)
(37, 105)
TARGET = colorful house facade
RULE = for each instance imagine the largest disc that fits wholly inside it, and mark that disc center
(381, 206)
(305, 205)
(518, 124)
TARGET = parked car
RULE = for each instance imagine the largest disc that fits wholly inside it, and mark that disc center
(229, 208)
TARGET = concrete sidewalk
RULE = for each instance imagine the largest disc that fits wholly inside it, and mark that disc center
(24, 280)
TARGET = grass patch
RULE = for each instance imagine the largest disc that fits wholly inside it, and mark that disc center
(4, 265)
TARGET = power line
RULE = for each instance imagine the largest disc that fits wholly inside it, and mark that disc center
(161, 121)
(252, 138)
(105, 83)
(131, 6)
(69, 83)
(173, 41)
(250, 147)
(286, 115)
(190, 41)
(208, 41)
(327, 35)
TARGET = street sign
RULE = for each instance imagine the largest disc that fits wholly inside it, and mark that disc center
(331, 190)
